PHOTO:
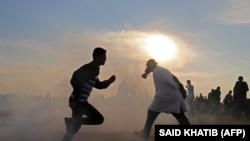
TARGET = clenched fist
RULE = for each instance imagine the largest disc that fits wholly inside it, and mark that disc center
(112, 79)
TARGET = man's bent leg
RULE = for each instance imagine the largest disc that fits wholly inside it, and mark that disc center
(93, 116)
(151, 116)
(68, 136)
(72, 126)
(181, 118)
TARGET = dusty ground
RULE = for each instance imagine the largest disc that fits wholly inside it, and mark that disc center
(129, 135)
(97, 133)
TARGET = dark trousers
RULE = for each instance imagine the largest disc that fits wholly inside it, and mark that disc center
(240, 107)
(85, 113)
(152, 115)
(82, 113)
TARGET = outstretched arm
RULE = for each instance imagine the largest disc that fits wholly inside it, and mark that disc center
(104, 84)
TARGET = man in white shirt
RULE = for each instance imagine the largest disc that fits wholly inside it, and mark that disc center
(167, 99)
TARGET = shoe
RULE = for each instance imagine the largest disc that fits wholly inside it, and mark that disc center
(68, 124)
(142, 134)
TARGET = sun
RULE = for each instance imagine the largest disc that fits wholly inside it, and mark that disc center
(160, 47)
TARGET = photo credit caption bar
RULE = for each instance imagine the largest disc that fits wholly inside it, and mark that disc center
(197, 132)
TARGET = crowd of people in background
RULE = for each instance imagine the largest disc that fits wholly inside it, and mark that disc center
(234, 103)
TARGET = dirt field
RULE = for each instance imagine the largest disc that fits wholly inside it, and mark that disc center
(129, 135)
(103, 133)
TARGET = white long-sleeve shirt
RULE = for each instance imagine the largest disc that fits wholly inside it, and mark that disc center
(167, 96)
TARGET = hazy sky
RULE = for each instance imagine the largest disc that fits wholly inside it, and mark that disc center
(43, 42)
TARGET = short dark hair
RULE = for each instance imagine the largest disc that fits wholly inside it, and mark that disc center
(151, 62)
(98, 51)
(240, 78)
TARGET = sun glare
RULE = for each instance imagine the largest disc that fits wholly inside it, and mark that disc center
(160, 47)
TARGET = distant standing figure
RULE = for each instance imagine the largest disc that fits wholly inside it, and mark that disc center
(190, 97)
(217, 94)
(240, 97)
(82, 81)
(167, 99)
(227, 101)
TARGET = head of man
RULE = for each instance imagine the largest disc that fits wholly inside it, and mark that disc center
(99, 55)
(240, 78)
(150, 65)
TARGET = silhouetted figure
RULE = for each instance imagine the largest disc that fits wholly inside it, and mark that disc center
(240, 97)
(82, 81)
(211, 102)
(190, 97)
(228, 101)
(205, 105)
(200, 104)
(217, 94)
(167, 99)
